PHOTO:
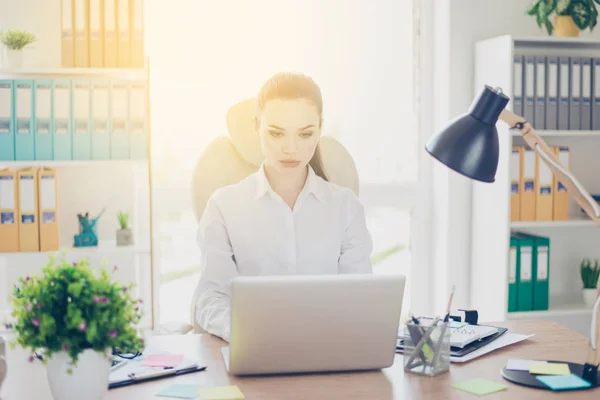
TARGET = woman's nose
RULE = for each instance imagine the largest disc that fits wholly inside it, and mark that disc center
(290, 146)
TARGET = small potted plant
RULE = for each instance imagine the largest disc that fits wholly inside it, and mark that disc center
(570, 16)
(124, 235)
(76, 319)
(14, 41)
(590, 270)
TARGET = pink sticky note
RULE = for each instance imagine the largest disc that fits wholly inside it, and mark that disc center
(163, 360)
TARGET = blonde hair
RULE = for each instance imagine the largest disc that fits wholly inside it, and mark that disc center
(289, 85)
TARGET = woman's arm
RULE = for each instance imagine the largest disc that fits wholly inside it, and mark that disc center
(218, 269)
(357, 244)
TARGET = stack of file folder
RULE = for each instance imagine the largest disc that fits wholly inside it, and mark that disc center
(73, 119)
(536, 194)
(28, 210)
(102, 33)
(555, 92)
(528, 272)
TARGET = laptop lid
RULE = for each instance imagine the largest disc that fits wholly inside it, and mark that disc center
(314, 323)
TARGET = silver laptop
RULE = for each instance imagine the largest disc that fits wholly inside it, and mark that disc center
(316, 323)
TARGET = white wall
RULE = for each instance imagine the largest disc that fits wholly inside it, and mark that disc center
(458, 25)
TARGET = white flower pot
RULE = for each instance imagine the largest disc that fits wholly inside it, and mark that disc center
(124, 237)
(89, 379)
(13, 59)
(589, 297)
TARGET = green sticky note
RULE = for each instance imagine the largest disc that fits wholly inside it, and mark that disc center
(180, 391)
(479, 386)
(220, 393)
(563, 382)
(547, 368)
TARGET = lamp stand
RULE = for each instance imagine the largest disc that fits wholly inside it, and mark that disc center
(574, 188)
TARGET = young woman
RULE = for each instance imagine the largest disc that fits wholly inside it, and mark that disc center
(286, 218)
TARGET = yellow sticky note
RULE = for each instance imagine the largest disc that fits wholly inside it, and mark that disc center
(548, 368)
(220, 393)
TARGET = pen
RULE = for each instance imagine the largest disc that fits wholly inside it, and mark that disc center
(443, 331)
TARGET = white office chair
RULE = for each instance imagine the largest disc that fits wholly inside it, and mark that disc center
(229, 159)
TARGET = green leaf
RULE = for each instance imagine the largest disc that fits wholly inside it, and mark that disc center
(562, 6)
(581, 15)
(533, 7)
(75, 289)
(92, 331)
(549, 27)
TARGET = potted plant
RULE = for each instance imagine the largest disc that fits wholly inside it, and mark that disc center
(589, 276)
(14, 41)
(570, 16)
(76, 319)
(124, 235)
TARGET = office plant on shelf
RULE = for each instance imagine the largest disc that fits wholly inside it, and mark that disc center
(590, 270)
(15, 41)
(75, 319)
(124, 235)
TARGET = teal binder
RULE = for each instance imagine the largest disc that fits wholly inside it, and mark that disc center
(540, 271)
(119, 117)
(23, 109)
(138, 131)
(513, 271)
(82, 139)
(100, 120)
(62, 120)
(42, 124)
(7, 124)
(525, 274)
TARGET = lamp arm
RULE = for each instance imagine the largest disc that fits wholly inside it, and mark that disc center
(562, 173)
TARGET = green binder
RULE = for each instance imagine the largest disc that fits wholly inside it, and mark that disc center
(525, 272)
(541, 274)
(513, 273)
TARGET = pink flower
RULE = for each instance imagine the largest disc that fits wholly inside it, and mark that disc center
(39, 306)
(140, 301)
(82, 326)
(35, 322)
(28, 278)
(115, 268)
(96, 299)
(65, 347)
(7, 326)
(104, 300)
(113, 333)
(125, 289)
(74, 264)
(30, 359)
(142, 340)
(28, 307)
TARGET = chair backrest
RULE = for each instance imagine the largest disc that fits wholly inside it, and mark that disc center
(229, 159)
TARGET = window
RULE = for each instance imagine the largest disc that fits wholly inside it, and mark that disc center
(208, 57)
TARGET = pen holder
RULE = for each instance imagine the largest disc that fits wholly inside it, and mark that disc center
(427, 348)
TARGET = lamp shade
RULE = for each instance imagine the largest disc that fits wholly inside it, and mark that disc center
(469, 144)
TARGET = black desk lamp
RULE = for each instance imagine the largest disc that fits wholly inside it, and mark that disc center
(469, 146)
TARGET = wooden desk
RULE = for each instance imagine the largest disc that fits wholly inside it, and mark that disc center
(552, 341)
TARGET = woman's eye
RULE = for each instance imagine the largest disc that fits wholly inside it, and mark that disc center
(276, 133)
(306, 134)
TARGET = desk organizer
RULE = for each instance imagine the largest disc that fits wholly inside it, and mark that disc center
(427, 348)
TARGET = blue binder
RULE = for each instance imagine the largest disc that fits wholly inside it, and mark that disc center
(7, 125)
(100, 120)
(119, 117)
(42, 124)
(137, 121)
(23, 109)
(62, 120)
(82, 139)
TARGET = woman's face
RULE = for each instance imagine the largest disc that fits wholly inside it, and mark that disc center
(289, 132)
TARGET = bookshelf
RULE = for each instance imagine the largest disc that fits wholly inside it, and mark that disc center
(570, 241)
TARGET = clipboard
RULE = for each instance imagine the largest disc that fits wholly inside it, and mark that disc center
(167, 373)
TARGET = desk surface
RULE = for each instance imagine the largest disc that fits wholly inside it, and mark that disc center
(552, 341)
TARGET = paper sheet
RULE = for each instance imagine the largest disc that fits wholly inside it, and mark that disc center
(549, 368)
(220, 393)
(519, 365)
(502, 341)
(480, 387)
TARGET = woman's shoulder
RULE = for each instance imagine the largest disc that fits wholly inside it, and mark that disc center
(338, 193)
(245, 188)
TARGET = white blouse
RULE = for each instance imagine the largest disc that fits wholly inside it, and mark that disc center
(247, 229)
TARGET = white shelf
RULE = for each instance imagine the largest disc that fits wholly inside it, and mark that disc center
(104, 248)
(574, 222)
(561, 133)
(69, 163)
(557, 308)
(48, 73)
